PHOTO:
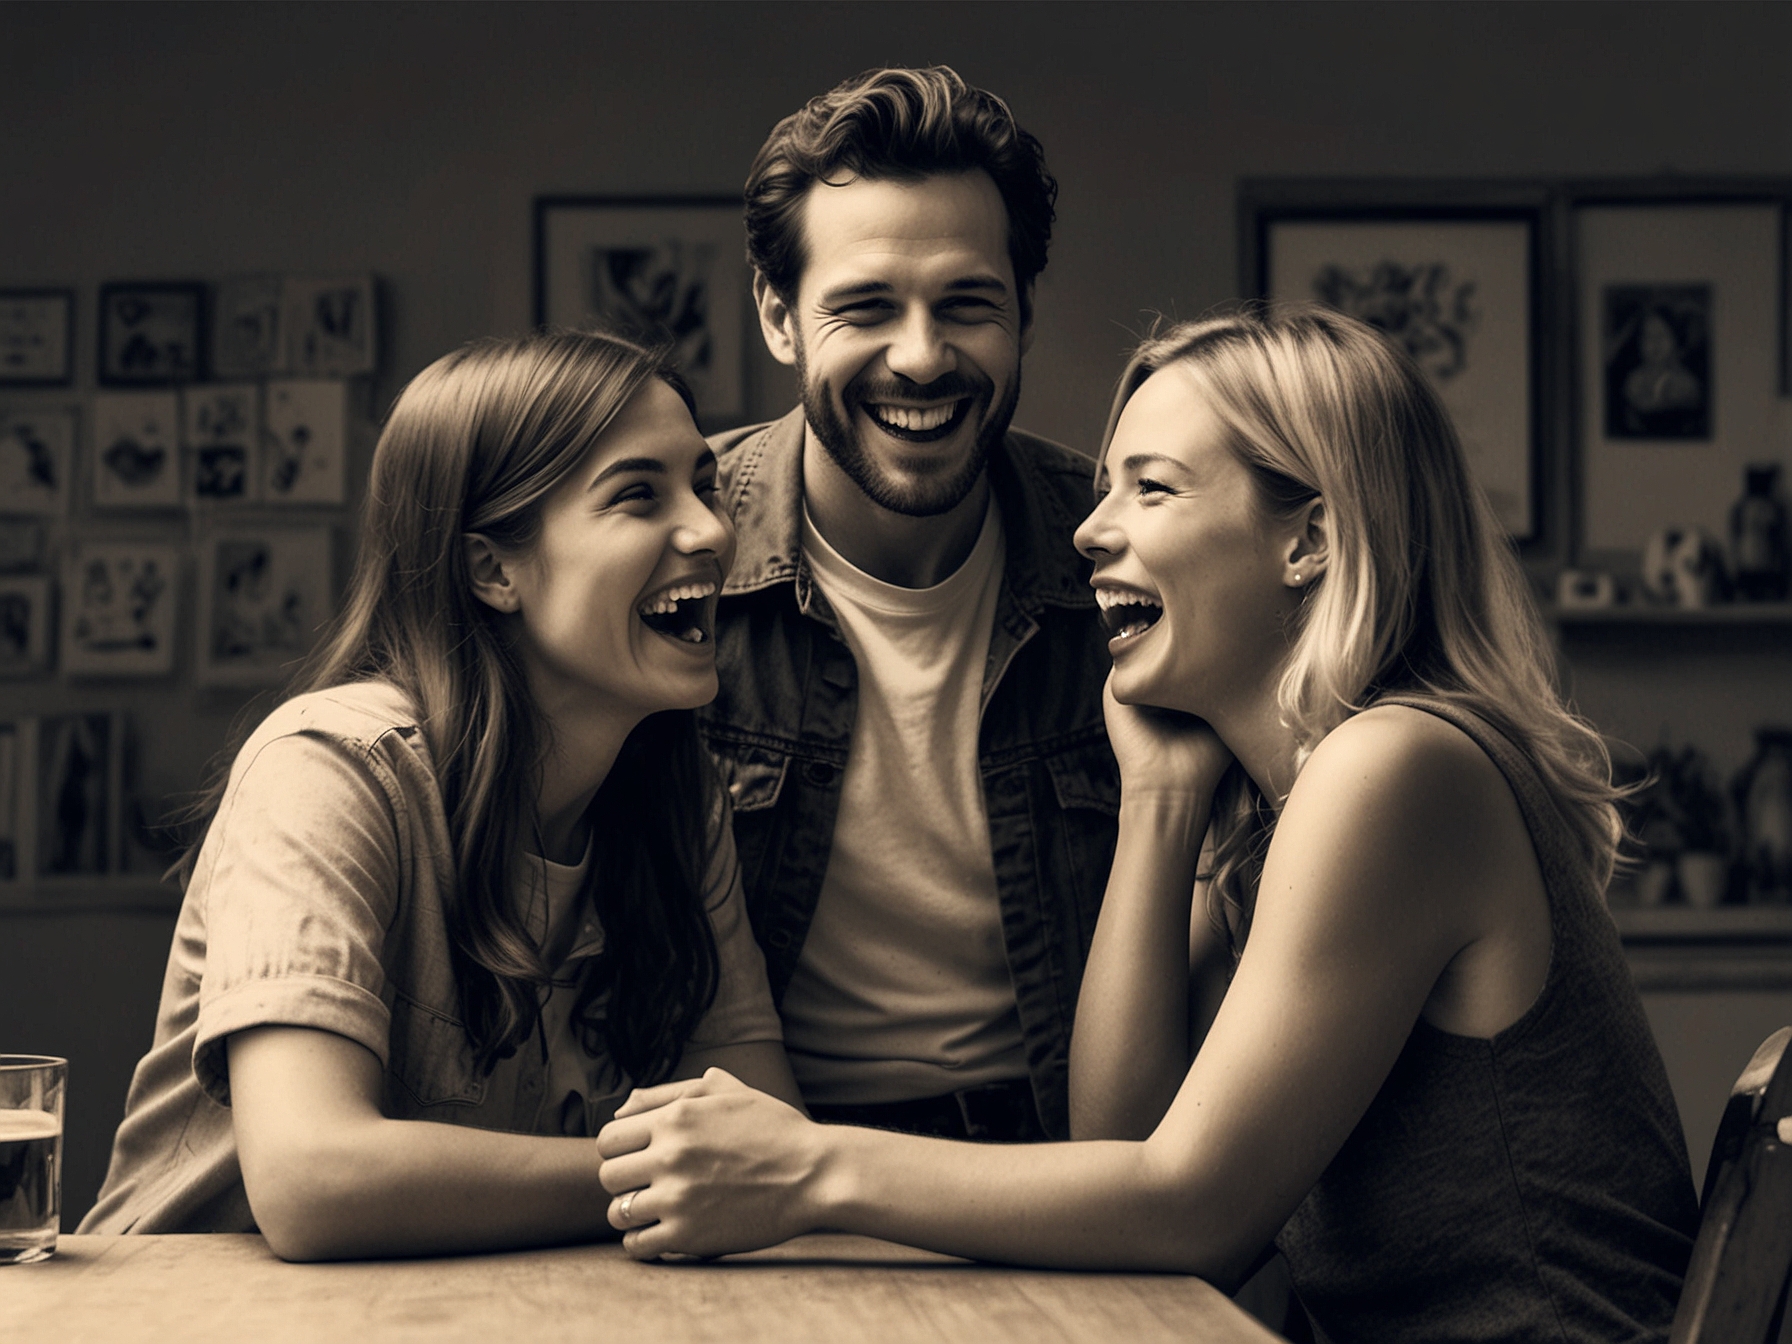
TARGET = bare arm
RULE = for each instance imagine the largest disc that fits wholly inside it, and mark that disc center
(330, 1178)
(1373, 887)
(1130, 1046)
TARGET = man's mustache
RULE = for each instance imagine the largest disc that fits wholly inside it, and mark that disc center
(947, 387)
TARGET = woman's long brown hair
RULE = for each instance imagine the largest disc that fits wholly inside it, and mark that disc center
(475, 444)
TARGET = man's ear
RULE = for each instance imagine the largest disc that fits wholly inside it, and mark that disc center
(776, 322)
(1309, 549)
(491, 580)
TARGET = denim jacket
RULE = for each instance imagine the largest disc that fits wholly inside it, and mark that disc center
(782, 725)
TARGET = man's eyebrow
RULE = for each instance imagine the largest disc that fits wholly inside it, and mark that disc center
(627, 464)
(858, 291)
(969, 282)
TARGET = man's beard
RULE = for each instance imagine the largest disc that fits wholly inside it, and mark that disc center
(929, 496)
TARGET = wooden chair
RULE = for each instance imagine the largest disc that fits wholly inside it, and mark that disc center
(1735, 1289)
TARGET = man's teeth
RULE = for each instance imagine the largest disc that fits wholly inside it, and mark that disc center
(916, 419)
(664, 604)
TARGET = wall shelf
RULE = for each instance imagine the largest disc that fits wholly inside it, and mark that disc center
(1730, 613)
(1752, 924)
(136, 893)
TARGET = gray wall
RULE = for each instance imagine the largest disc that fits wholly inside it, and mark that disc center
(147, 140)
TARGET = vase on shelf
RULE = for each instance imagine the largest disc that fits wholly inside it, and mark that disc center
(1761, 557)
(1764, 803)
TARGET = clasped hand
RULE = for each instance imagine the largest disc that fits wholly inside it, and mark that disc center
(706, 1167)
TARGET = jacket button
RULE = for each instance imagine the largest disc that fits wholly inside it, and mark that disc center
(818, 773)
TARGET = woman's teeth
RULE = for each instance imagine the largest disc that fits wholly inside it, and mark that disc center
(661, 604)
(674, 612)
(1124, 614)
(914, 419)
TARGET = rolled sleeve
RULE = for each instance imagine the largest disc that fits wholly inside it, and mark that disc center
(300, 876)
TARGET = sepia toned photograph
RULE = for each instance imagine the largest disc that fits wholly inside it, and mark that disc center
(1100, 672)
(118, 609)
(262, 598)
(25, 625)
(37, 459)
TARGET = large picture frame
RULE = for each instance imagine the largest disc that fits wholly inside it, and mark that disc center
(1680, 353)
(668, 268)
(1457, 272)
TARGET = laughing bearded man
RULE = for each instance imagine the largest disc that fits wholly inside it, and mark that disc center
(910, 722)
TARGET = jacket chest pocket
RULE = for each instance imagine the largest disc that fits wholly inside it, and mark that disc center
(753, 776)
(430, 1059)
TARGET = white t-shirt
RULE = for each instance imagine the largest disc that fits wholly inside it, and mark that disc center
(903, 988)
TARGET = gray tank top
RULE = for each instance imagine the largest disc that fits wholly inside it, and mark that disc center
(1529, 1187)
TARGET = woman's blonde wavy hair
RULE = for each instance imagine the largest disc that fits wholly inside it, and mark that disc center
(1421, 592)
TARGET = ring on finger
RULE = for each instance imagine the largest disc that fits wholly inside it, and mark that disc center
(627, 1205)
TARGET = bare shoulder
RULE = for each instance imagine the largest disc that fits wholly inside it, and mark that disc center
(1414, 808)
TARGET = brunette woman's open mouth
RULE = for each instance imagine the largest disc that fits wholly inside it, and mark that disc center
(684, 612)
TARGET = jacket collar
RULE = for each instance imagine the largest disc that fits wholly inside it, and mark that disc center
(763, 490)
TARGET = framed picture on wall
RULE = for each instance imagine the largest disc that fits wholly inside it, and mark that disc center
(136, 450)
(331, 325)
(1680, 354)
(1453, 273)
(24, 625)
(37, 337)
(76, 762)
(263, 595)
(248, 327)
(37, 457)
(15, 801)
(666, 269)
(221, 428)
(151, 333)
(118, 609)
(305, 443)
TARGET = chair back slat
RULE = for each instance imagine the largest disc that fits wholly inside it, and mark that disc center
(1735, 1288)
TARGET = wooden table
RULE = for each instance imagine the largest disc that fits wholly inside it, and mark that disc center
(199, 1289)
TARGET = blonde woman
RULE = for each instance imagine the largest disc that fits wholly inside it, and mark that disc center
(1429, 1081)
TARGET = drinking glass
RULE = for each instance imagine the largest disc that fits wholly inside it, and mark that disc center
(32, 1088)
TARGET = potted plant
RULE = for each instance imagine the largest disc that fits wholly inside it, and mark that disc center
(1687, 824)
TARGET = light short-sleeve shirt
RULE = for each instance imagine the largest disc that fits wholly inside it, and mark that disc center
(903, 989)
(319, 899)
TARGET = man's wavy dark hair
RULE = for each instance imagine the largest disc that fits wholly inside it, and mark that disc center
(902, 125)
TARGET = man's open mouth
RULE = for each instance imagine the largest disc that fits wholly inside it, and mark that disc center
(919, 424)
(683, 612)
(1125, 613)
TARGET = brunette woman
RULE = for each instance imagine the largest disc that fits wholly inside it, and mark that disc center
(1429, 1080)
(472, 880)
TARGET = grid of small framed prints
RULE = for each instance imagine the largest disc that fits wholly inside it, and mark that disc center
(202, 473)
